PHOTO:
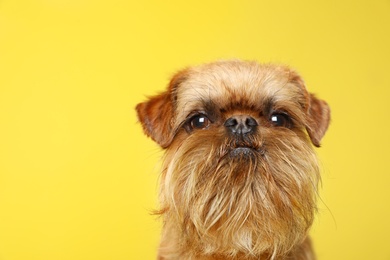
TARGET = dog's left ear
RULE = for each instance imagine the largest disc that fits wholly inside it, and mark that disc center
(157, 114)
(318, 119)
(318, 111)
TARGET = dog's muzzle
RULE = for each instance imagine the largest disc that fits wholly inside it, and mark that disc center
(241, 129)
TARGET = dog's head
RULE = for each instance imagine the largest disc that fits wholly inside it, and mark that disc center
(240, 174)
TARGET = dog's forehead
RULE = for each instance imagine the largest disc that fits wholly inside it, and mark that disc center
(244, 83)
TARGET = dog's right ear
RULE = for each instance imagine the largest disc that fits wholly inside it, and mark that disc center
(157, 114)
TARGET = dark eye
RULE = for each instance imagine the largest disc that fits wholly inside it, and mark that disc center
(199, 122)
(281, 119)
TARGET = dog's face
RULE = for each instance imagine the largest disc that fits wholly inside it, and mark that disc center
(240, 174)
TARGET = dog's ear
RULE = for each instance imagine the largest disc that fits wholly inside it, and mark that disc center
(157, 113)
(155, 116)
(318, 111)
(318, 119)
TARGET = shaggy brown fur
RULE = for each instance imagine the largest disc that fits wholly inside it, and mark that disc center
(239, 177)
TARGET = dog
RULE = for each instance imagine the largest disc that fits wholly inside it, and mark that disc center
(239, 176)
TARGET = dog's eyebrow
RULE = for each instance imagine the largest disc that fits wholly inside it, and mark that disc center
(267, 105)
(211, 109)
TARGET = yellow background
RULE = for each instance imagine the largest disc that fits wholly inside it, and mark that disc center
(77, 176)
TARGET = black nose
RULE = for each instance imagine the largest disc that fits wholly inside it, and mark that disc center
(241, 124)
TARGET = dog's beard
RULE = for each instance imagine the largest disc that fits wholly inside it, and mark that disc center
(245, 197)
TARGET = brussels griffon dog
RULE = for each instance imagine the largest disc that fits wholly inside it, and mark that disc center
(239, 177)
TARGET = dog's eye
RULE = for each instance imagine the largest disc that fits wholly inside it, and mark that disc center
(199, 122)
(281, 119)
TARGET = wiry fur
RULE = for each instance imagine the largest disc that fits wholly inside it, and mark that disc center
(220, 202)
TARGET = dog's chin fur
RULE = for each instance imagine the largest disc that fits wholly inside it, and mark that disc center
(233, 195)
(258, 201)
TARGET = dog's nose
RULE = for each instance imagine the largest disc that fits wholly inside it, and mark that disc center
(241, 124)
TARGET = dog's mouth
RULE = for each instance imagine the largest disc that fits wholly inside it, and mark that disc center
(244, 147)
(245, 150)
(242, 151)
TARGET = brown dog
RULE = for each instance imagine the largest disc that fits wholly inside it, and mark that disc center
(239, 179)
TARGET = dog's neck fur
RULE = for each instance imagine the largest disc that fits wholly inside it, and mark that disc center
(170, 249)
